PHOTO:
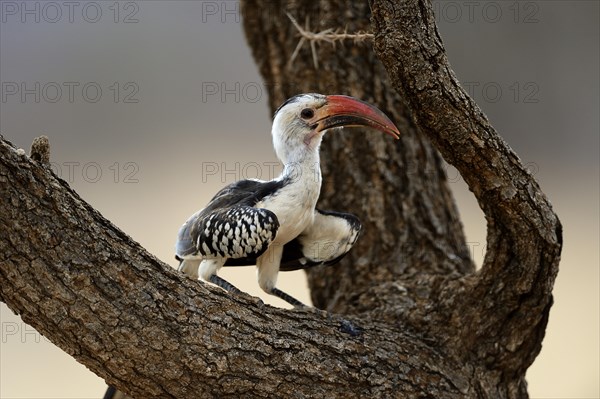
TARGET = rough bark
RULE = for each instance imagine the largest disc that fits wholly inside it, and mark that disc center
(509, 299)
(152, 332)
(428, 325)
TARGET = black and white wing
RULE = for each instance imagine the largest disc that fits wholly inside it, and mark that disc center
(230, 226)
(325, 242)
(236, 232)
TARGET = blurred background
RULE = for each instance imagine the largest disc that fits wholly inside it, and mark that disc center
(152, 106)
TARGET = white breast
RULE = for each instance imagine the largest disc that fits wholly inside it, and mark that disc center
(294, 206)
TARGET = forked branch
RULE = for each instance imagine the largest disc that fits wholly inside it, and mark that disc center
(524, 234)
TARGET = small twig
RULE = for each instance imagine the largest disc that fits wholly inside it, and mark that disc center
(327, 35)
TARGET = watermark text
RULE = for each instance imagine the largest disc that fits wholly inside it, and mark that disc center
(94, 172)
(68, 92)
(68, 11)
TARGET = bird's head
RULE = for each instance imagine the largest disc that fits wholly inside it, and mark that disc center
(300, 123)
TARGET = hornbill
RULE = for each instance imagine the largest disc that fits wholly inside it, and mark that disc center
(274, 224)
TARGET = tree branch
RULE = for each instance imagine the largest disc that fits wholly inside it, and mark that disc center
(329, 35)
(152, 332)
(524, 235)
(428, 324)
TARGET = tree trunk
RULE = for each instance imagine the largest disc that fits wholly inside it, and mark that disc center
(417, 320)
(399, 190)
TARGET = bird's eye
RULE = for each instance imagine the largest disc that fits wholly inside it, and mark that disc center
(307, 113)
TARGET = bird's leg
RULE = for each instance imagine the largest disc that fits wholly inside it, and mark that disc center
(207, 269)
(288, 298)
(189, 267)
(226, 285)
(208, 272)
(268, 269)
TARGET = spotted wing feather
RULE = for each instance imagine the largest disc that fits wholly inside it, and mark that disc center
(230, 226)
(235, 232)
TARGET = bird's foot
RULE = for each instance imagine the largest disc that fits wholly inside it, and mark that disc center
(350, 328)
(345, 326)
(259, 302)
